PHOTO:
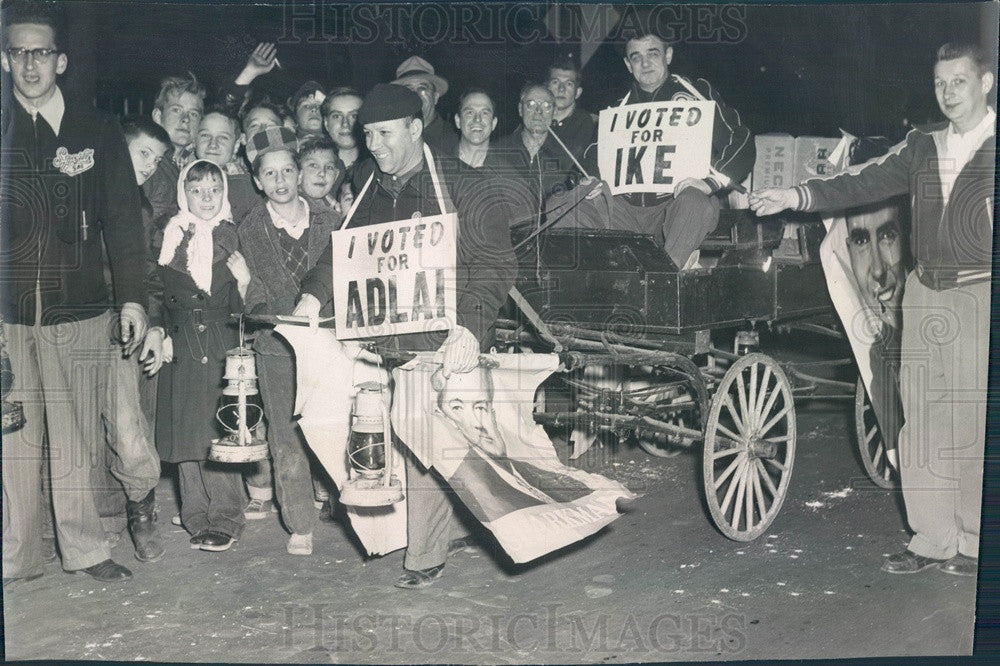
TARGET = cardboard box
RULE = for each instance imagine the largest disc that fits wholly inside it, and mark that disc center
(784, 161)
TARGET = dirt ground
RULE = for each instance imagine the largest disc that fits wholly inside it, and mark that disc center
(659, 584)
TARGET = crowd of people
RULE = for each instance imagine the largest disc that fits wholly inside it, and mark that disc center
(153, 230)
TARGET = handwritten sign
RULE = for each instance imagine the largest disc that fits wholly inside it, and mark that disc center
(395, 277)
(652, 147)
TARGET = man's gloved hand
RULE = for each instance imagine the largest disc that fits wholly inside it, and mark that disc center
(133, 326)
(309, 306)
(168, 350)
(461, 351)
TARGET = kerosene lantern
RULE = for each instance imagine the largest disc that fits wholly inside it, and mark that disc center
(369, 452)
(240, 410)
(13, 411)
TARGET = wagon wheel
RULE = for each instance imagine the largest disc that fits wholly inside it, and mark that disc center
(749, 447)
(871, 444)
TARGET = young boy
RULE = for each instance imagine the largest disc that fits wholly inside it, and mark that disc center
(281, 239)
(322, 172)
(128, 403)
(216, 141)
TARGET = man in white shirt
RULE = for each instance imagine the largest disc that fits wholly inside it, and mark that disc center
(948, 173)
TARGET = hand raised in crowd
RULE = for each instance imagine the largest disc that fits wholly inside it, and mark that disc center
(152, 355)
(237, 265)
(309, 307)
(263, 59)
(461, 351)
(773, 200)
(133, 326)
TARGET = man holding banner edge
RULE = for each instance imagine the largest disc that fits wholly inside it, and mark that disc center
(403, 181)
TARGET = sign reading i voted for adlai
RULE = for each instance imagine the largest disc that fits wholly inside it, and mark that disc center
(395, 277)
(651, 147)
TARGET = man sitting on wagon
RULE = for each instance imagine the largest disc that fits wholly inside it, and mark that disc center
(679, 221)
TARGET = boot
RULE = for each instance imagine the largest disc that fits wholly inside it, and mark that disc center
(142, 525)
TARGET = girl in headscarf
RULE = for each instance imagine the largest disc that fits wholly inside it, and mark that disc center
(204, 279)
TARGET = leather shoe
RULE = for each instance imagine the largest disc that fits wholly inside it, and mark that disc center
(107, 571)
(216, 541)
(419, 578)
(960, 565)
(142, 525)
(908, 562)
(197, 539)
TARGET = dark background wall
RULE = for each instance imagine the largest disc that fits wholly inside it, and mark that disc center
(803, 69)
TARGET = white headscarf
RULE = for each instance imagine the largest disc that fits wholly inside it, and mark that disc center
(199, 252)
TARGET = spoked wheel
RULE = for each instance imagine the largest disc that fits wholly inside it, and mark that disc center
(871, 443)
(749, 447)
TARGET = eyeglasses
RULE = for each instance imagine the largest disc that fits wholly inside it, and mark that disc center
(21, 55)
(535, 105)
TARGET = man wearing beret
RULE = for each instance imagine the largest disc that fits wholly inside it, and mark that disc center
(398, 184)
(418, 75)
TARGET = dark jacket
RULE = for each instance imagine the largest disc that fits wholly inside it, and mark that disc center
(273, 289)
(45, 204)
(951, 245)
(550, 171)
(578, 131)
(440, 136)
(202, 329)
(485, 263)
(733, 150)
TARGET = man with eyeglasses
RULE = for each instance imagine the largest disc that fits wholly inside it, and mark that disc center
(418, 75)
(573, 125)
(533, 154)
(68, 185)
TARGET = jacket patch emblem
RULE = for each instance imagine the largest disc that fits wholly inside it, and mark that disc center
(75, 164)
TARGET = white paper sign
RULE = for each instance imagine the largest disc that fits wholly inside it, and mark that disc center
(651, 147)
(395, 277)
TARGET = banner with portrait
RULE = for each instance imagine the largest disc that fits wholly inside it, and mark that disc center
(476, 429)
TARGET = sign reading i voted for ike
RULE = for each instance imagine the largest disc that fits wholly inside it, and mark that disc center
(653, 146)
(395, 278)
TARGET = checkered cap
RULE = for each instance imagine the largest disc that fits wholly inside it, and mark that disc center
(265, 141)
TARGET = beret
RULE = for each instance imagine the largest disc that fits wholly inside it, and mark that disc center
(389, 101)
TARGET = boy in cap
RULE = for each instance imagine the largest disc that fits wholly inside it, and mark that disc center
(305, 106)
(398, 184)
(281, 239)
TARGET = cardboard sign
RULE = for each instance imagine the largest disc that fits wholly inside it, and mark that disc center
(784, 161)
(395, 277)
(652, 147)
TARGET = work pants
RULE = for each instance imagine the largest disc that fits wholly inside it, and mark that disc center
(212, 497)
(678, 224)
(292, 477)
(59, 373)
(943, 374)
